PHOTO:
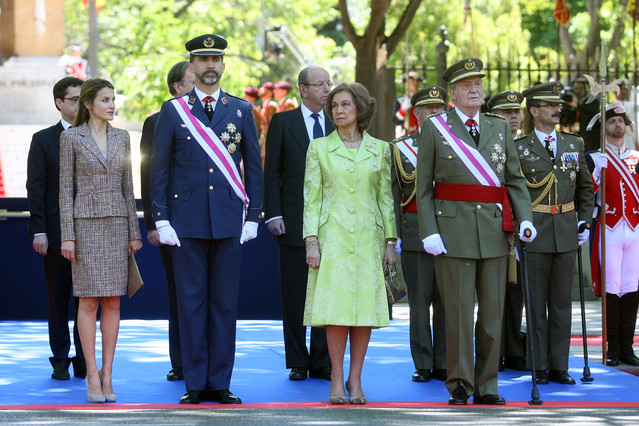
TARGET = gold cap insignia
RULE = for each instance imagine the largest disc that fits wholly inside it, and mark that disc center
(469, 65)
(434, 93)
(208, 42)
(511, 97)
(557, 88)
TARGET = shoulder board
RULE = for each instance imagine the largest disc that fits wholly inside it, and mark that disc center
(403, 138)
(569, 133)
(490, 114)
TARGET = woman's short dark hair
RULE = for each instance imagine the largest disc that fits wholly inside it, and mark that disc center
(88, 93)
(366, 105)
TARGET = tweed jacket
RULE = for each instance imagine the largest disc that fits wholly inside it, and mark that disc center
(468, 229)
(103, 187)
(558, 232)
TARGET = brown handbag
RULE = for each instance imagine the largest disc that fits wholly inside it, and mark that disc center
(395, 284)
(135, 279)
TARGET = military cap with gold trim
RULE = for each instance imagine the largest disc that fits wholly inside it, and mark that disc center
(509, 99)
(549, 92)
(429, 95)
(466, 68)
(206, 45)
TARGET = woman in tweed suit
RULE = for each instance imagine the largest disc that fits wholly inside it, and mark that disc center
(99, 225)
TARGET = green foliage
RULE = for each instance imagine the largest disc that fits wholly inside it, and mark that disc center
(140, 40)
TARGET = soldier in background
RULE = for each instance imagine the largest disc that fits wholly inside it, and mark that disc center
(251, 94)
(428, 350)
(280, 93)
(403, 115)
(507, 104)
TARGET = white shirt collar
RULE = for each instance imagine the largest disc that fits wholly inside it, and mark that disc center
(201, 95)
(306, 113)
(464, 117)
(65, 123)
(542, 136)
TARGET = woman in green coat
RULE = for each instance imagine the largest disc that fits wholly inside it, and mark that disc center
(350, 234)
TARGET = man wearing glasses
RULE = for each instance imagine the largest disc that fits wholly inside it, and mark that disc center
(287, 140)
(180, 81)
(43, 184)
(560, 186)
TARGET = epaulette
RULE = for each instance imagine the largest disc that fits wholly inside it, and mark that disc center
(491, 114)
(403, 138)
(568, 133)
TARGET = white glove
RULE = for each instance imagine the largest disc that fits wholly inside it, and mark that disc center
(398, 247)
(600, 163)
(167, 233)
(249, 231)
(406, 104)
(583, 235)
(527, 225)
(434, 245)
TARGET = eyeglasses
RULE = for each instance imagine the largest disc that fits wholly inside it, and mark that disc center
(73, 100)
(329, 84)
(552, 106)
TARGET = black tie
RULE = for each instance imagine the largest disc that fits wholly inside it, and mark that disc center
(473, 130)
(548, 141)
(317, 127)
(208, 108)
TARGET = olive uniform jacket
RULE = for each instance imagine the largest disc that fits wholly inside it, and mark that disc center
(471, 230)
(573, 184)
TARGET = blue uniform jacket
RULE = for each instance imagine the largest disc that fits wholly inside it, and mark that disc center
(186, 187)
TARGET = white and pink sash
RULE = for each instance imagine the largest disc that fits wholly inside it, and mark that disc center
(621, 167)
(409, 151)
(214, 148)
(471, 157)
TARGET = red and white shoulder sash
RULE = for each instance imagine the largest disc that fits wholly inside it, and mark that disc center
(622, 169)
(408, 149)
(214, 148)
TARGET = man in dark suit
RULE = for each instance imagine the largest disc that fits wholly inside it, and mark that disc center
(286, 143)
(43, 183)
(201, 205)
(468, 178)
(180, 81)
(562, 197)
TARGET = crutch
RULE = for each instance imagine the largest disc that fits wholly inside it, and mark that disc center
(530, 326)
(587, 377)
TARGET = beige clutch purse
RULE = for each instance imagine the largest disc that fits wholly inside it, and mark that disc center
(135, 279)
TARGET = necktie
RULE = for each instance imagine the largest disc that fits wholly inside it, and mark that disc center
(208, 108)
(317, 127)
(549, 140)
(473, 130)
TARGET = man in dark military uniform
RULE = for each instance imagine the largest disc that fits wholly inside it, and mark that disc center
(428, 350)
(507, 104)
(562, 199)
(205, 210)
(468, 178)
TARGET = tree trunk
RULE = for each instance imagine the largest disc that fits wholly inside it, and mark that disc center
(590, 55)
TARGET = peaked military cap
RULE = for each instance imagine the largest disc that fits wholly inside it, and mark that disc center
(206, 45)
(509, 99)
(414, 75)
(429, 95)
(470, 67)
(549, 92)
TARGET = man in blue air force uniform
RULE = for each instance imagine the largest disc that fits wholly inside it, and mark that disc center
(203, 209)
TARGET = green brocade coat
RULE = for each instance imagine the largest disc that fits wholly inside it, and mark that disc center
(348, 205)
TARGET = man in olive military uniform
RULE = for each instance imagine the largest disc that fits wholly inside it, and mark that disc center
(468, 178)
(507, 104)
(562, 199)
(428, 350)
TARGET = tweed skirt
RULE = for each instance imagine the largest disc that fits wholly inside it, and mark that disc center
(101, 262)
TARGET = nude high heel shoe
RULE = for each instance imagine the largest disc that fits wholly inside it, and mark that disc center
(96, 397)
(108, 397)
(355, 399)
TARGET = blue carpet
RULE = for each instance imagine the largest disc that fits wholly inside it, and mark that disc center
(141, 363)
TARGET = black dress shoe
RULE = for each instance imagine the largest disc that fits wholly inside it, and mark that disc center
(223, 396)
(79, 367)
(438, 374)
(322, 373)
(61, 371)
(191, 397)
(489, 399)
(421, 375)
(459, 396)
(541, 377)
(630, 359)
(297, 373)
(515, 363)
(613, 362)
(174, 375)
(561, 377)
